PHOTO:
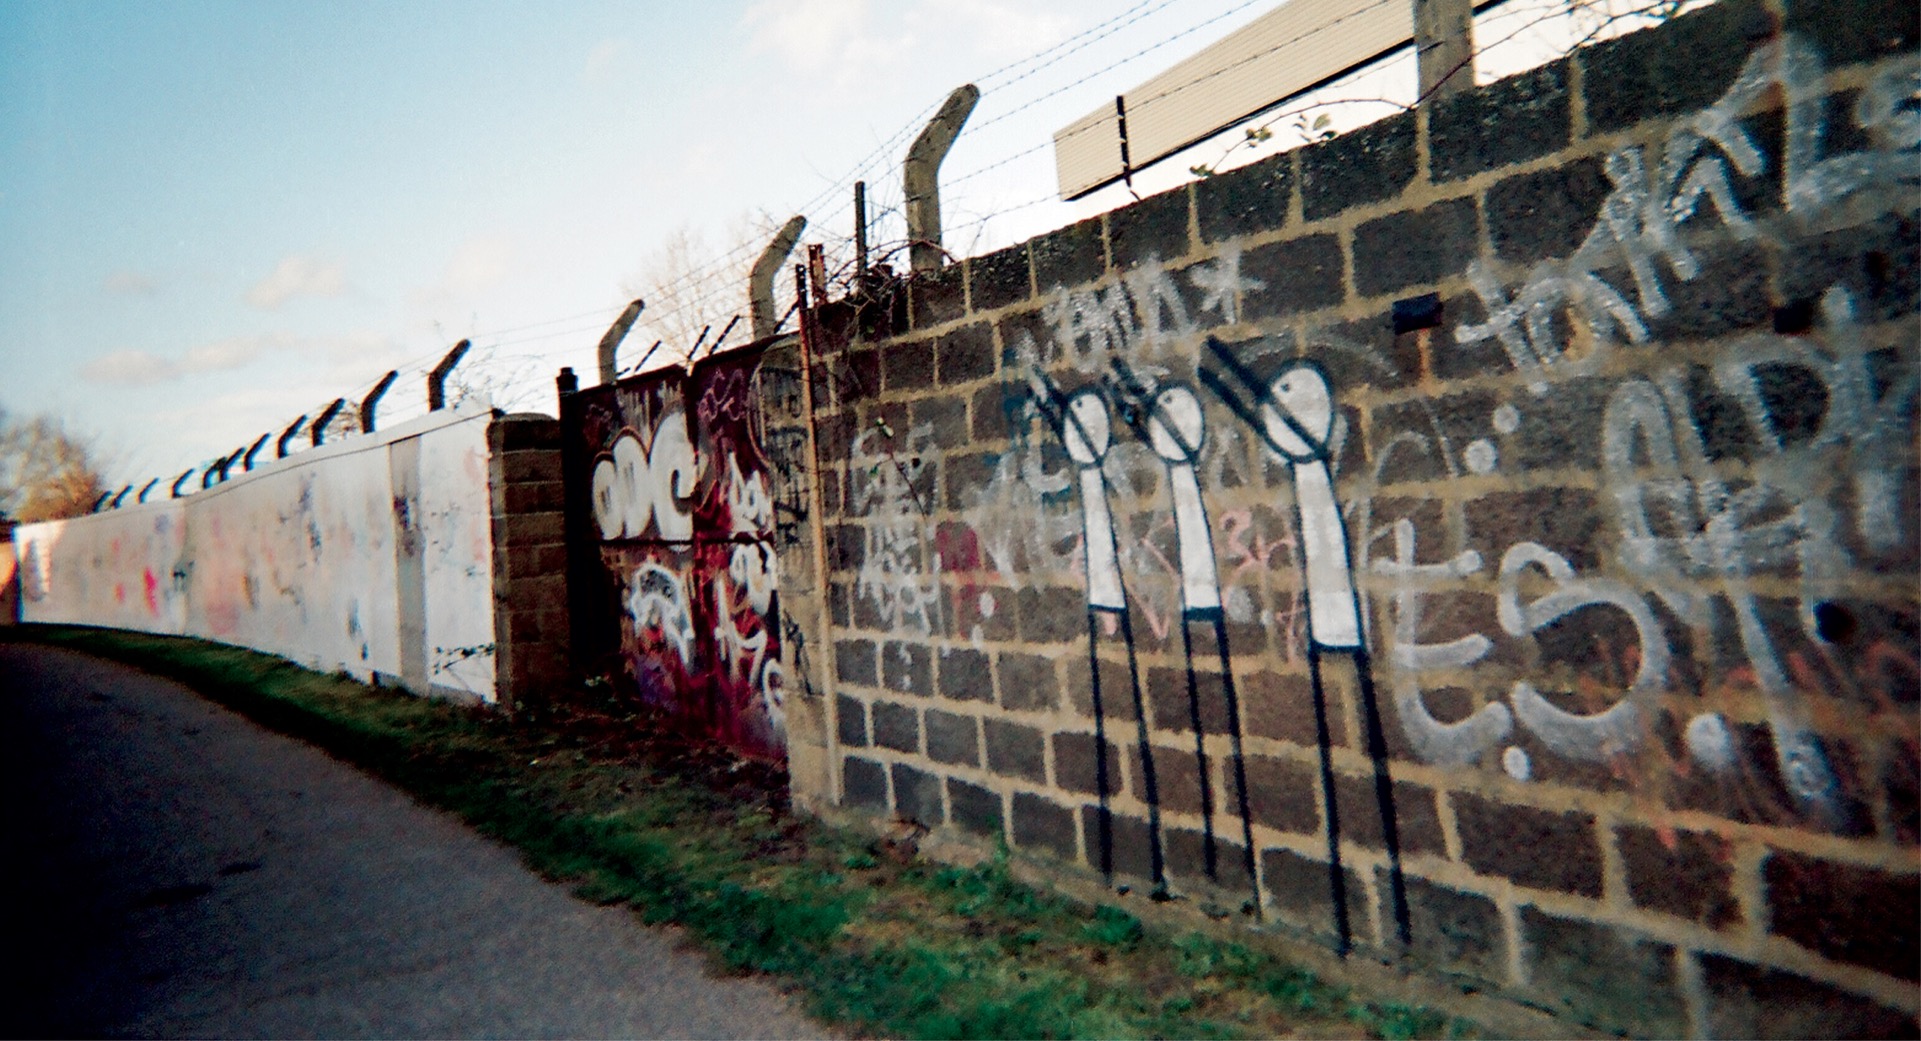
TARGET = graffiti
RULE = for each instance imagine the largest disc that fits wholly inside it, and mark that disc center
(1082, 423)
(900, 570)
(745, 650)
(657, 603)
(1631, 570)
(1601, 735)
(637, 487)
(1781, 519)
(1640, 219)
(1294, 414)
(787, 454)
(686, 516)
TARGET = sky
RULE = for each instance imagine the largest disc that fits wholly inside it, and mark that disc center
(216, 216)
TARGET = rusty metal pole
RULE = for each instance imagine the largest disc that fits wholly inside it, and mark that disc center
(921, 176)
(760, 282)
(817, 529)
(722, 338)
(1444, 46)
(817, 272)
(860, 237)
(610, 341)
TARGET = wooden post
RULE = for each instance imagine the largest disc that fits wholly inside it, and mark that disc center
(1444, 46)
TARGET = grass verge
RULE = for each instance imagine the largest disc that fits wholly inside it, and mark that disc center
(876, 940)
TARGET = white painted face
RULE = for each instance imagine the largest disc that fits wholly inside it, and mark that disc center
(1302, 393)
(1085, 431)
(1176, 428)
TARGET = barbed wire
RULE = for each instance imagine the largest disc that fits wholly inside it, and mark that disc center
(495, 366)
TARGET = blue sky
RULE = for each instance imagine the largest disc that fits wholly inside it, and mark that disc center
(219, 215)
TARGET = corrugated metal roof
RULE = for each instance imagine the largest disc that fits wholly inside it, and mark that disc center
(1281, 53)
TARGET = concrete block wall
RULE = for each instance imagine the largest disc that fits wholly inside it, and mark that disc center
(531, 620)
(1623, 364)
(369, 554)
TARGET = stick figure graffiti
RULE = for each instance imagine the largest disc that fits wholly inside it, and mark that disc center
(1171, 422)
(1081, 422)
(1294, 414)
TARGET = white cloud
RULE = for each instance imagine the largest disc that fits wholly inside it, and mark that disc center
(601, 58)
(837, 38)
(137, 368)
(298, 275)
(995, 30)
(479, 265)
(130, 283)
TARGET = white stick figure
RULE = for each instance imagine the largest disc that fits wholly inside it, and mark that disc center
(1086, 433)
(1297, 415)
(1177, 431)
(1294, 413)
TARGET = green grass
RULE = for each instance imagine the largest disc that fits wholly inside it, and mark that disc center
(874, 939)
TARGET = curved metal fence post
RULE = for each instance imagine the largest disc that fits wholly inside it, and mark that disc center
(921, 177)
(372, 400)
(288, 435)
(760, 281)
(437, 379)
(247, 461)
(610, 341)
(319, 428)
(142, 497)
(180, 480)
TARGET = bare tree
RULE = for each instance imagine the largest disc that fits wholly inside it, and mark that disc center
(690, 284)
(46, 473)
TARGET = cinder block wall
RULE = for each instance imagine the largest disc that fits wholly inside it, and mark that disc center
(1623, 362)
(531, 628)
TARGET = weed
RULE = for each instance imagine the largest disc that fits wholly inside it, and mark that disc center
(1115, 928)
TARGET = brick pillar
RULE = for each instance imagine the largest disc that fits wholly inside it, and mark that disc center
(531, 633)
(9, 577)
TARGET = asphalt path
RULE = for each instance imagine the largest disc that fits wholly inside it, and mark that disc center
(172, 869)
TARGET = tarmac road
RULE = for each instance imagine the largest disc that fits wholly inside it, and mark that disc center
(173, 869)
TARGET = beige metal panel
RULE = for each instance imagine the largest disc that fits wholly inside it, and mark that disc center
(1279, 54)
